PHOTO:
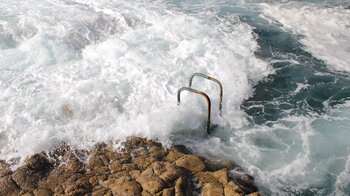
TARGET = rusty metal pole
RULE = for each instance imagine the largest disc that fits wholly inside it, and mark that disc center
(214, 80)
(200, 93)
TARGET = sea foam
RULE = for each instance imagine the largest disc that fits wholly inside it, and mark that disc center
(96, 71)
(324, 30)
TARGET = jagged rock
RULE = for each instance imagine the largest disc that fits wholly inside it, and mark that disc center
(168, 191)
(126, 188)
(8, 186)
(221, 176)
(26, 178)
(220, 164)
(42, 192)
(171, 172)
(78, 192)
(98, 192)
(142, 167)
(223, 163)
(94, 161)
(135, 174)
(152, 184)
(143, 162)
(231, 189)
(99, 170)
(77, 183)
(182, 187)
(206, 177)
(113, 181)
(191, 162)
(176, 152)
(210, 189)
(116, 166)
(245, 182)
(4, 169)
(157, 152)
(112, 155)
(129, 166)
(26, 193)
(145, 193)
(95, 180)
(255, 194)
(38, 163)
(73, 165)
(118, 174)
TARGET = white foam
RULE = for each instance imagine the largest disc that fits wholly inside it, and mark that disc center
(297, 153)
(325, 30)
(98, 70)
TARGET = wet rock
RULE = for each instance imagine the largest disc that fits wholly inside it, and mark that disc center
(182, 187)
(22, 193)
(126, 188)
(77, 182)
(171, 172)
(228, 164)
(245, 182)
(8, 186)
(78, 192)
(168, 191)
(176, 152)
(118, 174)
(231, 189)
(221, 176)
(42, 192)
(135, 174)
(96, 180)
(116, 166)
(98, 192)
(152, 184)
(4, 169)
(142, 167)
(206, 177)
(255, 194)
(94, 161)
(38, 163)
(210, 189)
(74, 165)
(143, 162)
(26, 178)
(145, 193)
(191, 162)
(129, 166)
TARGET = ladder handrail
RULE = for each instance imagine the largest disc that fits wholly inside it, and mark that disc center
(200, 93)
(214, 80)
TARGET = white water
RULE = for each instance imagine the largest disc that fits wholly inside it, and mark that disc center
(97, 71)
(294, 155)
(325, 30)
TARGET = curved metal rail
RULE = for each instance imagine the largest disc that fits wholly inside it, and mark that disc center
(200, 93)
(212, 79)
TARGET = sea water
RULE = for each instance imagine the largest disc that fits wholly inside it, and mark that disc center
(86, 71)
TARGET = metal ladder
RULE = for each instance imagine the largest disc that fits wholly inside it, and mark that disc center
(207, 98)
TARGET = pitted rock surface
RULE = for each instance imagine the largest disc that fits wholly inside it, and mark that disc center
(142, 167)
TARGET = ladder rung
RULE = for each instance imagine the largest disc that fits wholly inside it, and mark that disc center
(199, 93)
(203, 94)
(212, 79)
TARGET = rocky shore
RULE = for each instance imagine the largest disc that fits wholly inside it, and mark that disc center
(141, 167)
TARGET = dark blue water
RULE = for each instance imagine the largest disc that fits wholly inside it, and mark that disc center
(298, 133)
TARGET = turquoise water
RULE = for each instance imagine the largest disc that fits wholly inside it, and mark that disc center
(83, 72)
(298, 133)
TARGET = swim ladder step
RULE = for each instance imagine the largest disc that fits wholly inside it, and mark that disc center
(207, 98)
